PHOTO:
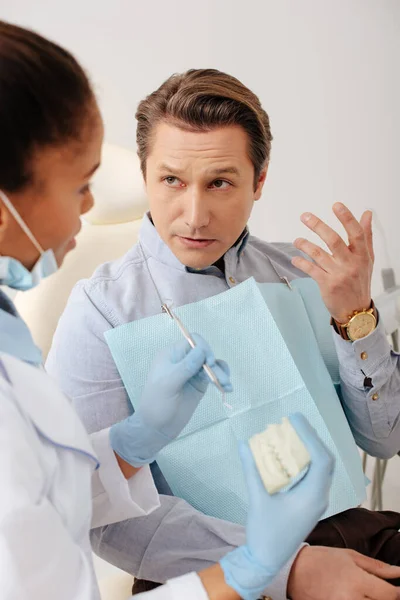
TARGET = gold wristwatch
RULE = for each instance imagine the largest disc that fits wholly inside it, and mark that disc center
(360, 324)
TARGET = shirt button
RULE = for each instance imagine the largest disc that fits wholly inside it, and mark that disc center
(233, 281)
(375, 397)
(364, 356)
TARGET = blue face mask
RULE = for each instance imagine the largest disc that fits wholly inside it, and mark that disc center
(13, 273)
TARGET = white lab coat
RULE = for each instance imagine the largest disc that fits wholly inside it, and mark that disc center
(49, 489)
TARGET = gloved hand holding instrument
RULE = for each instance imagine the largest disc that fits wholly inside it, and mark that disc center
(176, 383)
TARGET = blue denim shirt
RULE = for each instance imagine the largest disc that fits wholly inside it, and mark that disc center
(123, 290)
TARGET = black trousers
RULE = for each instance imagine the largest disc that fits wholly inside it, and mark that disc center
(373, 533)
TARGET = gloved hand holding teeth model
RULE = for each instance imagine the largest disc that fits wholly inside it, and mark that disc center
(175, 385)
(277, 524)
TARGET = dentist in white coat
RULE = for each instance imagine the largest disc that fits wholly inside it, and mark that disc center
(56, 482)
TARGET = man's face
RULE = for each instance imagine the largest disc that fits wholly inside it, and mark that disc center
(200, 187)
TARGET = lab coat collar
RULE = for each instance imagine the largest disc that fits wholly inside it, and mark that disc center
(15, 337)
(49, 410)
(154, 246)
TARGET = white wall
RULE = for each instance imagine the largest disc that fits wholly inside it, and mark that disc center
(327, 71)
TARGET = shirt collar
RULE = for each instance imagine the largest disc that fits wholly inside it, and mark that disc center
(15, 337)
(154, 246)
(241, 243)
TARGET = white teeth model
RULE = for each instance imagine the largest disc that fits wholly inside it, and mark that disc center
(279, 454)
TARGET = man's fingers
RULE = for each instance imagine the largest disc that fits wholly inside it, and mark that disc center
(353, 228)
(377, 589)
(366, 224)
(311, 269)
(335, 243)
(376, 567)
(375, 586)
(359, 233)
(317, 254)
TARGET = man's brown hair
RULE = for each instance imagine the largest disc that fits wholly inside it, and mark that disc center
(201, 100)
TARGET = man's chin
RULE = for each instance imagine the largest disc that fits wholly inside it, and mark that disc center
(197, 265)
(195, 258)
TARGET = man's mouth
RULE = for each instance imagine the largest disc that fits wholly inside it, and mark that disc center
(195, 242)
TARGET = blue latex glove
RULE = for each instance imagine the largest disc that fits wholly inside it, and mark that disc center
(278, 524)
(176, 384)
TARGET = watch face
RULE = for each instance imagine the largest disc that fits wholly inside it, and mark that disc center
(360, 326)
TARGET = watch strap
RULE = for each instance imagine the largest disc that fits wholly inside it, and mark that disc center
(341, 328)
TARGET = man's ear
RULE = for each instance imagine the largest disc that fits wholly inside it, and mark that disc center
(260, 183)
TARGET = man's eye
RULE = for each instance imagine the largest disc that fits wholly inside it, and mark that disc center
(220, 184)
(172, 181)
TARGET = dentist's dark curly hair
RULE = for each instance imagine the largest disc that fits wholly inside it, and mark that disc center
(45, 100)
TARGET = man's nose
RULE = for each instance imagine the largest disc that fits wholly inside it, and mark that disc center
(197, 214)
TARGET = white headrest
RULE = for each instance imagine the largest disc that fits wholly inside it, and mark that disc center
(118, 188)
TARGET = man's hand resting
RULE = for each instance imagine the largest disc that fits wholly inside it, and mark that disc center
(321, 573)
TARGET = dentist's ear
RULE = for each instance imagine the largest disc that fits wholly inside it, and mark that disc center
(4, 220)
(260, 183)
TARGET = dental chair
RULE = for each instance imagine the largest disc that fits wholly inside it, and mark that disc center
(108, 231)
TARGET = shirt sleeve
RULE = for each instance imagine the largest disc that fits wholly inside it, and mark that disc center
(181, 588)
(114, 497)
(80, 361)
(189, 586)
(370, 383)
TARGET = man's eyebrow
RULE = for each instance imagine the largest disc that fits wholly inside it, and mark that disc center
(212, 172)
(169, 169)
(223, 170)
